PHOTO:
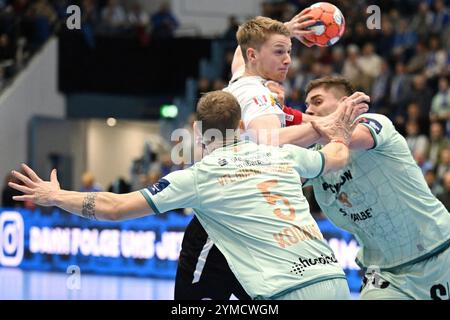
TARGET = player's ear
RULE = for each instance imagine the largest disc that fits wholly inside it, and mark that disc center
(251, 54)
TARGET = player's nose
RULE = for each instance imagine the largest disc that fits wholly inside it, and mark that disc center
(287, 60)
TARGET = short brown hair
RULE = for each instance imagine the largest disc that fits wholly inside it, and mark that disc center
(256, 31)
(218, 110)
(329, 82)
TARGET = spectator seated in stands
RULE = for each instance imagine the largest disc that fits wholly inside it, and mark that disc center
(88, 183)
(164, 22)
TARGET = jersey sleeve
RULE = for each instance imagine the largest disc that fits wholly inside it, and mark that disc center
(293, 116)
(174, 191)
(255, 101)
(380, 127)
(308, 163)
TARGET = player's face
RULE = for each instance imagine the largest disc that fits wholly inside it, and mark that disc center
(274, 58)
(321, 102)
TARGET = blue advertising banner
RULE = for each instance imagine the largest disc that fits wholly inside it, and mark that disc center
(145, 247)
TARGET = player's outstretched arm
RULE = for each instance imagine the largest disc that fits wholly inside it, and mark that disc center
(91, 205)
(267, 128)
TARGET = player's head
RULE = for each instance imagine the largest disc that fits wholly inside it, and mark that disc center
(323, 94)
(266, 47)
(218, 113)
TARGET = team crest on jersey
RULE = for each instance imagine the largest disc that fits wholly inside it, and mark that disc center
(374, 124)
(158, 186)
(343, 198)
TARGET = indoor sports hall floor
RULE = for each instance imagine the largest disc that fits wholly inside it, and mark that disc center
(17, 284)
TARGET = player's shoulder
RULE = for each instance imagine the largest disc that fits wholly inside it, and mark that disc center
(375, 121)
(183, 173)
(246, 84)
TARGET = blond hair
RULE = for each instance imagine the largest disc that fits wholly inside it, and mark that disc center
(256, 31)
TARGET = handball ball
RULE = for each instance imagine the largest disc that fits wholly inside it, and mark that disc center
(329, 26)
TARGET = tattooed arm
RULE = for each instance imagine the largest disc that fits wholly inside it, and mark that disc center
(103, 205)
(94, 205)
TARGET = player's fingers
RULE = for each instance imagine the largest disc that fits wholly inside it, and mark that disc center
(33, 176)
(353, 126)
(20, 188)
(306, 23)
(304, 17)
(54, 177)
(364, 107)
(306, 42)
(23, 178)
(299, 34)
(317, 127)
(359, 94)
(23, 198)
(361, 99)
(341, 109)
(349, 106)
(355, 95)
(358, 110)
(304, 11)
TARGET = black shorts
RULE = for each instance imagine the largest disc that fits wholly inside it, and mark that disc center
(203, 272)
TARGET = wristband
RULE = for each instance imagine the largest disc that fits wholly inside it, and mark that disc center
(338, 141)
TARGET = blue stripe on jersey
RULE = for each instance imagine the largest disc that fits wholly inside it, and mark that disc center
(147, 196)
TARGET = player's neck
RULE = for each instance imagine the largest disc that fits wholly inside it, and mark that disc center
(250, 72)
(210, 147)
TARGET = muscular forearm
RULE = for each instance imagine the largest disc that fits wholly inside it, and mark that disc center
(90, 205)
(336, 156)
(307, 118)
(302, 135)
(102, 205)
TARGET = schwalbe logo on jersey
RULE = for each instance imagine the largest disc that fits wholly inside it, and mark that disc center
(304, 263)
(158, 186)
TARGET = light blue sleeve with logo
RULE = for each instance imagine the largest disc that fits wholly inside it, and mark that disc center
(308, 163)
(380, 127)
(176, 190)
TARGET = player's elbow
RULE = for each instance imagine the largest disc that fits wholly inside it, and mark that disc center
(337, 161)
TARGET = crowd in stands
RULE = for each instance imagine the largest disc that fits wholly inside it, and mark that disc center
(26, 24)
(404, 66)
